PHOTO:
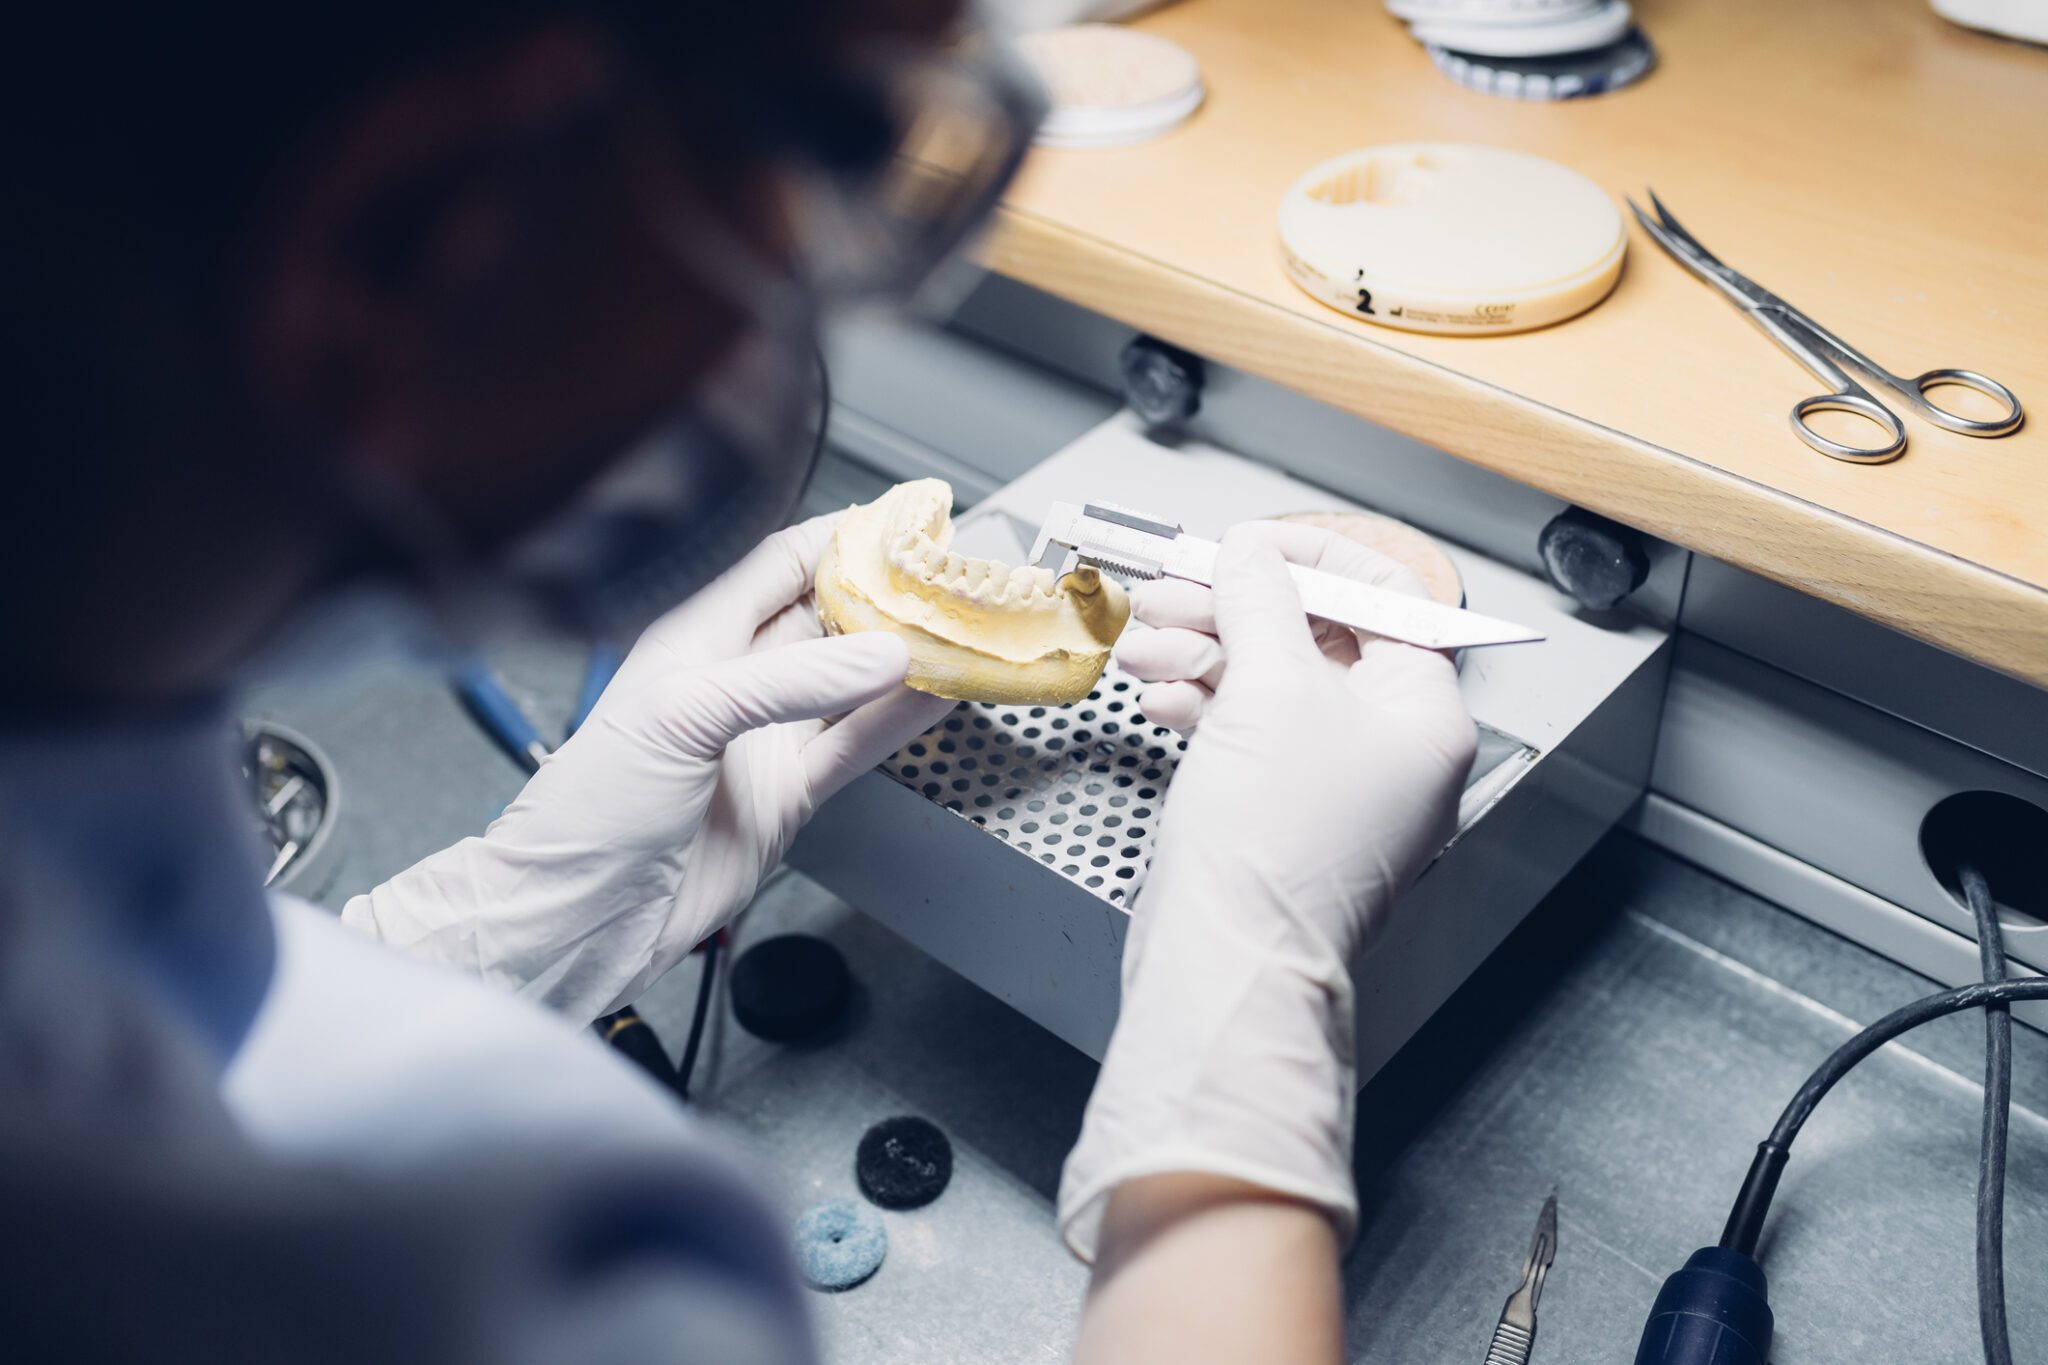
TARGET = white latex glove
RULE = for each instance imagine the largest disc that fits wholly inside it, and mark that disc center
(655, 823)
(1324, 776)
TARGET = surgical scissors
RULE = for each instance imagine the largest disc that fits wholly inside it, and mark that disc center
(1826, 354)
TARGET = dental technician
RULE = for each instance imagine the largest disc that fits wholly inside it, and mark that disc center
(446, 315)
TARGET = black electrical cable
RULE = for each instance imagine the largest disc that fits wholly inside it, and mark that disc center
(647, 1050)
(818, 437)
(629, 1035)
(688, 1063)
(1997, 1116)
(1746, 1219)
(1715, 1309)
(702, 1010)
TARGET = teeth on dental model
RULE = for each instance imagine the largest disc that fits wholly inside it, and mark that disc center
(977, 630)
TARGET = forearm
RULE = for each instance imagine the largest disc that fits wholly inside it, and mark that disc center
(574, 938)
(563, 900)
(1232, 1056)
(1199, 1270)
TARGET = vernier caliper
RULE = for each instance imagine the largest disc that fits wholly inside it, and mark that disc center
(1140, 546)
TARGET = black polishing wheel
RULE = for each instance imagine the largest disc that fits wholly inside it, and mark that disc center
(1558, 76)
(903, 1163)
(789, 988)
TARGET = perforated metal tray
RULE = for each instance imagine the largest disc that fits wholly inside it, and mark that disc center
(1077, 787)
(1080, 788)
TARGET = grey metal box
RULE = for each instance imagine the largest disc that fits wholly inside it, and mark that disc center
(1033, 917)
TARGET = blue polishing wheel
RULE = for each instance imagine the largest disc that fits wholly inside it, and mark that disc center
(839, 1243)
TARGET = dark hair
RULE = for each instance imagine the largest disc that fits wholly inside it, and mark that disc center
(138, 142)
(175, 110)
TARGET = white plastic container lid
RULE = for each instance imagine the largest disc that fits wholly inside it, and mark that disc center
(1111, 86)
(1452, 238)
(1546, 37)
(1508, 12)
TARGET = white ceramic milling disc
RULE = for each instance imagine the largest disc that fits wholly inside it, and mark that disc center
(1111, 86)
(1538, 38)
(1450, 237)
(1508, 12)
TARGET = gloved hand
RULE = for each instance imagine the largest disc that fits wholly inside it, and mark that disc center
(1325, 773)
(655, 823)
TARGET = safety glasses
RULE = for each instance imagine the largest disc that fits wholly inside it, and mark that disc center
(962, 122)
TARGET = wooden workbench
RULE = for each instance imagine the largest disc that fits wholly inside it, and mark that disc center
(1882, 169)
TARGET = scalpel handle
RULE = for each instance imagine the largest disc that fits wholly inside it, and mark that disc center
(1332, 597)
(1337, 599)
(1510, 1346)
(1377, 611)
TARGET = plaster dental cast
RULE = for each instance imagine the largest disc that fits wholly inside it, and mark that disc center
(976, 630)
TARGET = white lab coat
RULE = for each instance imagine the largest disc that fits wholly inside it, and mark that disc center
(388, 1161)
(363, 1055)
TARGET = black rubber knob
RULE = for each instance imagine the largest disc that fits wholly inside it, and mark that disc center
(903, 1163)
(1597, 561)
(1162, 383)
(789, 988)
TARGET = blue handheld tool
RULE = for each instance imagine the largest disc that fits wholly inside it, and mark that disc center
(1713, 1312)
(485, 698)
(604, 662)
